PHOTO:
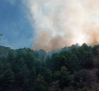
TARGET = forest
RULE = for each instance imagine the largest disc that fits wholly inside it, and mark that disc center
(74, 68)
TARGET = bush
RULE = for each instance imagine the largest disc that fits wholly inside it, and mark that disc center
(81, 78)
(96, 63)
(97, 73)
(88, 63)
(85, 89)
(6, 80)
(66, 89)
(83, 75)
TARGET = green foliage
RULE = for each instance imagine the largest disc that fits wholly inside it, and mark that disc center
(94, 50)
(63, 76)
(58, 62)
(48, 62)
(4, 65)
(56, 76)
(40, 84)
(74, 63)
(30, 83)
(36, 54)
(66, 89)
(81, 75)
(4, 50)
(42, 54)
(21, 72)
(79, 89)
(29, 60)
(96, 60)
(81, 78)
(85, 46)
(32, 70)
(88, 61)
(20, 54)
(96, 63)
(97, 73)
(85, 89)
(54, 86)
(11, 56)
(46, 73)
(37, 66)
(6, 80)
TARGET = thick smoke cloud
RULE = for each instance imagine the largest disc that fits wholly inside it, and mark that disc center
(60, 23)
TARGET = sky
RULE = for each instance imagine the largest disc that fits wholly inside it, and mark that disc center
(48, 24)
(14, 25)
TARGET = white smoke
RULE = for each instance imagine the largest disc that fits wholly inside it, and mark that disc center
(60, 23)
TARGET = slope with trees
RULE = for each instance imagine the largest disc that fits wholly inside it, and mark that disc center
(68, 70)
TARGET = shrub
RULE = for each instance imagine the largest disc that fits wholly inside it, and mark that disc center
(88, 63)
(83, 75)
(81, 79)
(85, 89)
(97, 73)
(96, 63)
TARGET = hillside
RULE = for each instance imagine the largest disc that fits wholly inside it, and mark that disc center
(27, 70)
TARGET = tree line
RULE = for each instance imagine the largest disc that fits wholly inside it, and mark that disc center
(28, 70)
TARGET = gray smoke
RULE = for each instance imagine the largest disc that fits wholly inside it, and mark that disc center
(60, 23)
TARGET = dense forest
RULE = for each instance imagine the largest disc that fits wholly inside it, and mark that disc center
(71, 69)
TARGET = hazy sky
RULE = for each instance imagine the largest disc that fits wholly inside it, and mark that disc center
(14, 24)
(49, 24)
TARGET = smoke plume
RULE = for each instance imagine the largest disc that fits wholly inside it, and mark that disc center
(60, 23)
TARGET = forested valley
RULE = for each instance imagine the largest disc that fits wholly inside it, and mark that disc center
(74, 68)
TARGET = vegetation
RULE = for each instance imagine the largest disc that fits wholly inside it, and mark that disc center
(31, 70)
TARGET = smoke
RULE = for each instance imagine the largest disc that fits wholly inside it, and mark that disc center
(92, 34)
(60, 23)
